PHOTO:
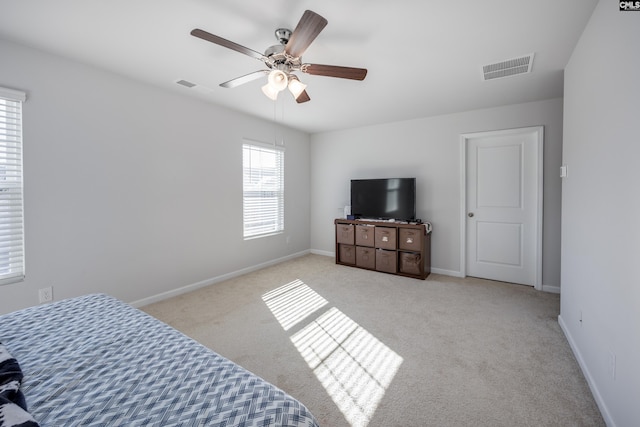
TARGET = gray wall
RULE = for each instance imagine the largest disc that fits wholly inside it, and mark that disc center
(134, 191)
(429, 149)
(600, 210)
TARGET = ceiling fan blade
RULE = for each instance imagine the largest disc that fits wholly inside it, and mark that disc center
(306, 32)
(335, 71)
(303, 97)
(244, 79)
(226, 43)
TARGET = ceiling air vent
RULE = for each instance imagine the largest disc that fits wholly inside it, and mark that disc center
(186, 83)
(510, 67)
(196, 87)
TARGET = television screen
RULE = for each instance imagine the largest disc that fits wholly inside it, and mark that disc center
(389, 198)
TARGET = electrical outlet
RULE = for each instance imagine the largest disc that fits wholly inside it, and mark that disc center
(45, 294)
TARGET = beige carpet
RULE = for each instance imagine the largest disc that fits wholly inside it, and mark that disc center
(364, 348)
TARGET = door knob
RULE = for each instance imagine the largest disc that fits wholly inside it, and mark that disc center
(470, 214)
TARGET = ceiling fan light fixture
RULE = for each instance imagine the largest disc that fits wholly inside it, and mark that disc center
(278, 80)
(296, 87)
(270, 92)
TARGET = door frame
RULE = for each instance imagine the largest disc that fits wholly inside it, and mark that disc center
(464, 141)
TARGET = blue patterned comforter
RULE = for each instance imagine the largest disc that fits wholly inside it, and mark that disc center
(94, 360)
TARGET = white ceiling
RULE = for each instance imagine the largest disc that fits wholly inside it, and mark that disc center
(424, 57)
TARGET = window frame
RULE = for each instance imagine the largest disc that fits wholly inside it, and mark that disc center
(12, 260)
(270, 195)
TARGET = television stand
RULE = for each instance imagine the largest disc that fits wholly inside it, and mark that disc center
(395, 247)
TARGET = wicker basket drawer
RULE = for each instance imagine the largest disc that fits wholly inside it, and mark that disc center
(411, 239)
(345, 233)
(365, 257)
(348, 254)
(386, 238)
(386, 261)
(411, 263)
(365, 235)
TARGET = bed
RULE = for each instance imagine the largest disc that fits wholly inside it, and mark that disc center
(94, 360)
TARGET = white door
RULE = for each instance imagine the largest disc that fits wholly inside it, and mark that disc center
(503, 215)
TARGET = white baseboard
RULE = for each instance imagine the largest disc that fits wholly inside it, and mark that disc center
(551, 289)
(213, 280)
(446, 272)
(324, 253)
(587, 374)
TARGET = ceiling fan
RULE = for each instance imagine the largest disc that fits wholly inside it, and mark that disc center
(283, 59)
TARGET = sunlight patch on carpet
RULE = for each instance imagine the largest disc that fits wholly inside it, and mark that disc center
(353, 366)
(293, 302)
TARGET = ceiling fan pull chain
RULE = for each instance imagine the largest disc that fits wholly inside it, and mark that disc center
(282, 128)
(275, 123)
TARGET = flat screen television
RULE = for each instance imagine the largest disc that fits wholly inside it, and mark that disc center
(388, 198)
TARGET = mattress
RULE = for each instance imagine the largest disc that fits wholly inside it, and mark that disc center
(94, 360)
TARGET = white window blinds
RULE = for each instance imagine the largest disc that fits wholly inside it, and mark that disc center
(11, 212)
(263, 189)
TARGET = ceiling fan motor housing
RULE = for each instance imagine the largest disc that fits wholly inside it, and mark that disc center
(276, 49)
(278, 59)
(283, 35)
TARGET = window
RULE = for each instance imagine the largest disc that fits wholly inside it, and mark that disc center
(11, 215)
(263, 189)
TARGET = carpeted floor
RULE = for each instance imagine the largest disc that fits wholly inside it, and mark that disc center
(361, 348)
